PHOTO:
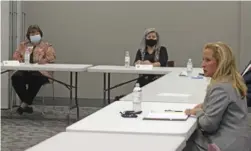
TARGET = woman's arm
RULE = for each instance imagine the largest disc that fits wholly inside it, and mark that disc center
(199, 106)
(49, 56)
(210, 117)
(137, 57)
(163, 58)
(18, 52)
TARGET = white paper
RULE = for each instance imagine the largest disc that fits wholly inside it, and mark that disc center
(174, 94)
(167, 116)
(143, 67)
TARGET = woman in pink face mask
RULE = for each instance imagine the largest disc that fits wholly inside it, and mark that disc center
(41, 52)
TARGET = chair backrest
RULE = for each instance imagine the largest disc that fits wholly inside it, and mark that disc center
(170, 63)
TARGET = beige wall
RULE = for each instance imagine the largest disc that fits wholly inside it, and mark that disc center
(4, 52)
(99, 32)
(245, 40)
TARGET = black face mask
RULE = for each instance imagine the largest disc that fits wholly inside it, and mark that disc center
(151, 42)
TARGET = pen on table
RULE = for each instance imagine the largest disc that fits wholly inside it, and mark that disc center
(172, 111)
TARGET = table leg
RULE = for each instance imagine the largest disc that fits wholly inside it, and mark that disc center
(71, 87)
(104, 90)
(11, 98)
(76, 94)
(69, 110)
(12, 94)
(109, 86)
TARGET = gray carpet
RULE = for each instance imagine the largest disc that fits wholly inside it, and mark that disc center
(21, 132)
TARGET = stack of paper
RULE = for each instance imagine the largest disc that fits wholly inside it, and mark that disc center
(175, 116)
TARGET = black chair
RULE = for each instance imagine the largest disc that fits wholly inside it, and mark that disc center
(170, 63)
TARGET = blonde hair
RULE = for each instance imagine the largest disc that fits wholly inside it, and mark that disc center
(226, 67)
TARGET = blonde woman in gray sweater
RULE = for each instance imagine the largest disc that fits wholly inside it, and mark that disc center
(222, 117)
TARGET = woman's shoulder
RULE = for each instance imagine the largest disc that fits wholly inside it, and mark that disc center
(225, 86)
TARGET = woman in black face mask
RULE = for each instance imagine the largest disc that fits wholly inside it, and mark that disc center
(151, 52)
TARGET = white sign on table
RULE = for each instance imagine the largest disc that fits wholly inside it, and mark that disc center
(11, 63)
(143, 67)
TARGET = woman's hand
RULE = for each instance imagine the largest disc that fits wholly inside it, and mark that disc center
(192, 111)
(156, 64)
(146, 62)
(198, 106)
(40, 52)
(42, 61)
(138, 62)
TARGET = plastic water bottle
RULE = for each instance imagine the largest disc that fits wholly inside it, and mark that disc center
(189, 67)
(127, 59)
(137, 98)
(27, 56)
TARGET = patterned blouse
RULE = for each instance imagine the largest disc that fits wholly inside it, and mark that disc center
(43, 53)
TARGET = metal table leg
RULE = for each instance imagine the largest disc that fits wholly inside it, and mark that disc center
(104, 90)
(70, 103)
(76, 94)
(109, 86)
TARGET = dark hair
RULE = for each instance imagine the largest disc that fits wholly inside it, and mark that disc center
(32, 29)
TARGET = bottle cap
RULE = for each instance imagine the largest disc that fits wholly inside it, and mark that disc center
(137, 85)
